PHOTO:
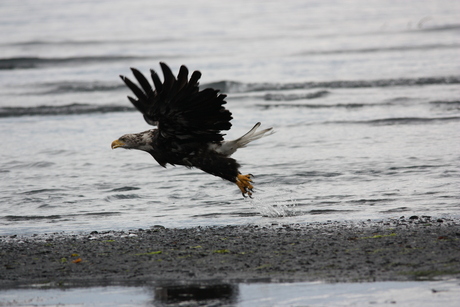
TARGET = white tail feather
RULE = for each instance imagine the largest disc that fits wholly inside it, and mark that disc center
(229, 147)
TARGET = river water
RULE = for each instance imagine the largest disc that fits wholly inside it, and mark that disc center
(432, 294)
(363, 95)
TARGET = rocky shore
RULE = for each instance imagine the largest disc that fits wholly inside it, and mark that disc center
(410, 248)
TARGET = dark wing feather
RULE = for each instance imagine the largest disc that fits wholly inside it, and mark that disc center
(169, 78)
(144, 83)
(178, 107)
(156, 81)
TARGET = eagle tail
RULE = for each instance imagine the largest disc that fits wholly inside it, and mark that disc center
(252, 135)
(229, 147)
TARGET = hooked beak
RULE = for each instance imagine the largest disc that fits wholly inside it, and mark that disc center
(117, 143)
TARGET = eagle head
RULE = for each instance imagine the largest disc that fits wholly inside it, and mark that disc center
(142, 141)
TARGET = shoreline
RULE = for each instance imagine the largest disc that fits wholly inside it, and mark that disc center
(415, 248)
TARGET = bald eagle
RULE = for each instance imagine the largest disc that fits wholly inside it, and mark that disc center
(189, 123)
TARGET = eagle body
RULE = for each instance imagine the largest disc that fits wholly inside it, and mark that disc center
(189, 124)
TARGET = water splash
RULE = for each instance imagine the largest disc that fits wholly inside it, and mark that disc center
(274, 206)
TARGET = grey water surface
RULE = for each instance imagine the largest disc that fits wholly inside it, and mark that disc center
(364, 97)
(433, 293)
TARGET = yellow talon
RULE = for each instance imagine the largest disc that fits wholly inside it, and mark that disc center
(244, 183)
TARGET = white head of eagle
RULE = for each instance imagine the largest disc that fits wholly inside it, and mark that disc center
(189, 123)
(141, 141)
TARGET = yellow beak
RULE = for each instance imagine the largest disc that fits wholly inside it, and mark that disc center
(117, 143)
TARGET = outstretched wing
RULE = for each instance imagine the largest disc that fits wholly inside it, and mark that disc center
(178, 107)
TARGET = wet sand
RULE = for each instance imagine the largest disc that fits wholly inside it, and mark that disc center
(395, 249)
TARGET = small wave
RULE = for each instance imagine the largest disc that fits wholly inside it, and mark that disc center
(228, 86)
(452, 105)
(313, 106)
(448, 105)
(379, 49)
(239, 87)
(400, 120)
(393, 210)
(32, 192)
(412, 120)
(328, 211)
(118, 42)
(16, 218)
(15, 164)
(398, 100)
(414, 168)
(34, 62)
(370, 200)
(75, 108)
(121, 196)
(391, 102)
(124, 189)
(56, 152)
(79, 86)
(451, 27)
(105, 213)
(281, 97)
(318, 174)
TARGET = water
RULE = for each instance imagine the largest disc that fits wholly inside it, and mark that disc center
(364, 98)
(434, 293)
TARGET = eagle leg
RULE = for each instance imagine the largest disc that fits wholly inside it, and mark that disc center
(244, 183)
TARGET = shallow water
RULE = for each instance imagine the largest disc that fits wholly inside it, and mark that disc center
(364, 98)
(429, 293)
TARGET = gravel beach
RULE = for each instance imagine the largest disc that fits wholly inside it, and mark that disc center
(411, 248)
